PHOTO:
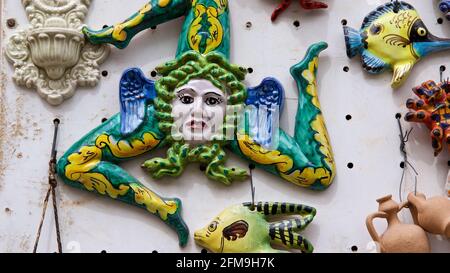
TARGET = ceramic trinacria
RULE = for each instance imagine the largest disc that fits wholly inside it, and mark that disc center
(392, 37)
(399, 237)
(243, 229)
(198, 107)
(51, 55)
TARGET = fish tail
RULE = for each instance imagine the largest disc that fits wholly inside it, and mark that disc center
(283, 233)
(353, 41)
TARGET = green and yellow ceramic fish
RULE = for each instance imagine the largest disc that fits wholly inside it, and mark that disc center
(245, 229)
(392, 37)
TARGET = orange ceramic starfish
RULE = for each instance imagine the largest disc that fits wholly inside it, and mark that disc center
(432, 109)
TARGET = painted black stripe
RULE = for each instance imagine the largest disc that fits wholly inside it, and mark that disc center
(272, 232)
(259, 207)
(283, 208)
(281, 229)
(299, 241)
(266, 208)
(274, 208)
(308, 209)
(298, 223)
(292, 207)
(291, 236)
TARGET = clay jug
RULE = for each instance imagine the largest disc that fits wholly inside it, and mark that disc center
(399, 237)
(433, 214)
(447, 185)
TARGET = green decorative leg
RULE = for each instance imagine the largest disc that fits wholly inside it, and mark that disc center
(307, 158)
(206, 28)
(91, 164)
(155, 12)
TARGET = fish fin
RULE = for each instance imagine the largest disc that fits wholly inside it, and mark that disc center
(396, 40)
(401, 73)
(373, 64)
(283, 234)
(384, 9)
(353, 41)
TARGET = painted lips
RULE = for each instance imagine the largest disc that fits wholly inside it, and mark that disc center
(196, 125)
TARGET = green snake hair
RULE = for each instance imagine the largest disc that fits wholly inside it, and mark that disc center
(216, 69)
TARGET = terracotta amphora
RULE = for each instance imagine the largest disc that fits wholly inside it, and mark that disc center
(399, 237)
(433, 214)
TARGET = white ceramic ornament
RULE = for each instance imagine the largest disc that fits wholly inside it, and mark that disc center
(51, 55)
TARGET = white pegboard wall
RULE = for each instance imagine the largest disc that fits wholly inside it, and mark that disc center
(369, 140)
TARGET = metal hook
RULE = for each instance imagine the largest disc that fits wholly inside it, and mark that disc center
(51, 193)
(403, 140)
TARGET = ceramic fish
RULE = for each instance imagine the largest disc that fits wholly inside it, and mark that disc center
(392, 37)
(241, 229)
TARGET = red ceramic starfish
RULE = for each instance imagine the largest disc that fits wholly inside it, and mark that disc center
(432, 109)
(306, 4)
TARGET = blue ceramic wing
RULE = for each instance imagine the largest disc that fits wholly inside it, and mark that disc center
(266, 104)
(135, 92)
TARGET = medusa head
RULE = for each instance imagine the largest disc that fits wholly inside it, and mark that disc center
(197, 106)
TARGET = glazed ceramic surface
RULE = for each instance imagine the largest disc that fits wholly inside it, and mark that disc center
(245, 228)
(178, 111)
(432, 110)
(369, 139)
(392, 37)
(444, 6)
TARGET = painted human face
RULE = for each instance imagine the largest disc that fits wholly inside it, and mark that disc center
(199, 111)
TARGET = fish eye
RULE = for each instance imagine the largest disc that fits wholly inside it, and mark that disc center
(376, 29)
(422, 31)
(213, 226)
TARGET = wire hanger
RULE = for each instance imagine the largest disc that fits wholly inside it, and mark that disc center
(51, 190)
(404, 138)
